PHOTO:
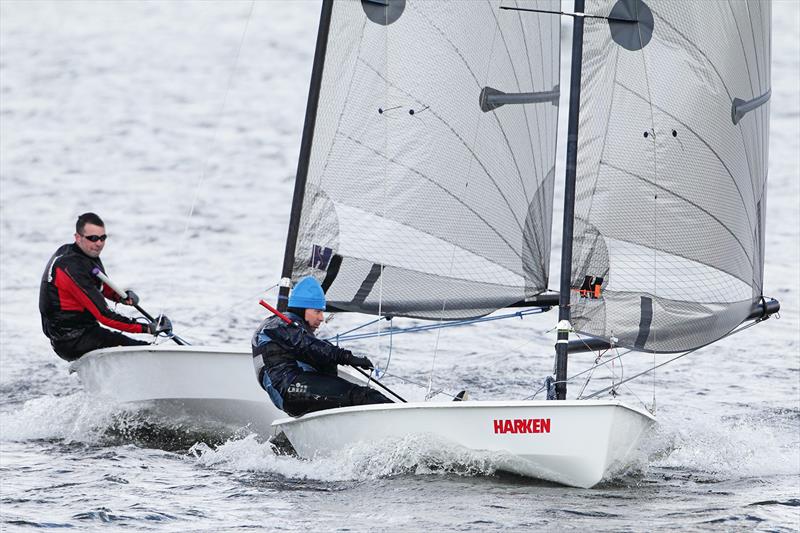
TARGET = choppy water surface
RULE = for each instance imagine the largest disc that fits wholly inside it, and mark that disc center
(143, 111)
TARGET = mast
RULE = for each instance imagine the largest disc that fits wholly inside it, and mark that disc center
(569, 203)
(305, 152)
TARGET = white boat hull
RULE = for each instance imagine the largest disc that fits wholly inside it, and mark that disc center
(576, 443)
(213, 386)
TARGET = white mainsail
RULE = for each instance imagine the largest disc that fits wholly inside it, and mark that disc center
(402, 145)
(671, 171)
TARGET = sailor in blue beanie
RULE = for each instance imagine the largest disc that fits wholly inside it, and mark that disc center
(298, 370)
(307, 294)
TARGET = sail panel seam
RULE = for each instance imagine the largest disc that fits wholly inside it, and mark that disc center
(693, 204)
(446, 191)
(461, 141)
(497, 119)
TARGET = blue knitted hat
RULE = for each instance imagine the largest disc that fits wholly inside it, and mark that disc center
(307, 294)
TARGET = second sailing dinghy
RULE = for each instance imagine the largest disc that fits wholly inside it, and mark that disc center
(425, 189)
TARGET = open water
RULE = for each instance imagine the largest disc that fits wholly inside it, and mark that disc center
(145, 111)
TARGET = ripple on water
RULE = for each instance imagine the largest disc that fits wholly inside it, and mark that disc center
(102, 515)
(28, 523)
(791, 502)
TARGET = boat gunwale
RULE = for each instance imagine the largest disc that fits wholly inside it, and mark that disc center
(156, 348)
(164, 350)
(471, 404)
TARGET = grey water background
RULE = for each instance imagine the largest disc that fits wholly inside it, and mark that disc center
(147, 111)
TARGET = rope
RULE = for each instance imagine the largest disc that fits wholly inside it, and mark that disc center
(439, 325)
(620, 355)
(489, 64)
(589, 377)
(385, 181)
(391, 337)
(614, 374)
(428, 394)
(420, 385)
(601, 391)
(655, 196)
(365, 324)
(210, 151)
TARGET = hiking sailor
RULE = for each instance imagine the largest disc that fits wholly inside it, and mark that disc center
(72, 300)
(299, 370)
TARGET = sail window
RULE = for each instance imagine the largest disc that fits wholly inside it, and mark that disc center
(631, 24)
(383, 12)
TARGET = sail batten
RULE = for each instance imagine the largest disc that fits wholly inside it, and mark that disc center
(740, 107)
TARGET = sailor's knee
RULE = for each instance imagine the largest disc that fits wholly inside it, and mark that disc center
(366, 396)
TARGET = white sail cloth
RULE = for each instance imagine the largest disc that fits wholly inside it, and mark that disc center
(419, 202)
(672, 167)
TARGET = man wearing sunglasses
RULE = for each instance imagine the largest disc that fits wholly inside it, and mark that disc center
(72, 301)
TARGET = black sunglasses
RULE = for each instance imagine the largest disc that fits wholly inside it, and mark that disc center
(95, 238)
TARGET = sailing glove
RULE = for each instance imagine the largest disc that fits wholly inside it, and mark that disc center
(161, 324)
(362, 362)
(131, 297)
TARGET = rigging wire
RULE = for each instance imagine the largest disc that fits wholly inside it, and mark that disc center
(579, 374)
(210, 151)
(436, 347)
(591, 371)
(613, 377)
(420, 385)
(620, 355)
(655, 196)
(652, 408)
(429, 327)
(428, 393)
(601, 391)
(613, 372)
(466, 186)
(391, 338)
(385, 181)
(380, 302)
(343, 336)
(392, 330)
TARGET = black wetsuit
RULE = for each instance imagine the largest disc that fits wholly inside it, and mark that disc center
(72, 300)
(301, 369)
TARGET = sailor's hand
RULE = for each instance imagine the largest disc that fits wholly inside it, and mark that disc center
(362, 362)
(132, 298)
(161, 324)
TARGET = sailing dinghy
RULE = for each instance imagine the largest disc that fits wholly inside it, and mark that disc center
(425, 189)
(199, 386)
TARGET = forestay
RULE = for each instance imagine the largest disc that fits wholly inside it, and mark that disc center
(430, 176)
(671, 173)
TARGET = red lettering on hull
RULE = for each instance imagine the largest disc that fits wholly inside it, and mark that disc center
(521, 425)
